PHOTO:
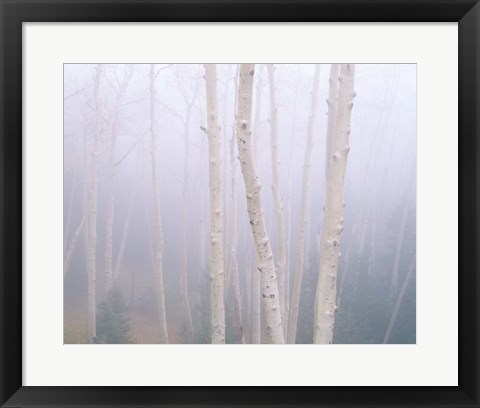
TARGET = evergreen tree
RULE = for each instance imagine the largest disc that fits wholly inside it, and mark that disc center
(113, 321)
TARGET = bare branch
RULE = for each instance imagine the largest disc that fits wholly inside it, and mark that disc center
(163, 68)
(77, 92)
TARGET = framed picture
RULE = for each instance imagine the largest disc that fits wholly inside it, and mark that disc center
(142, 262)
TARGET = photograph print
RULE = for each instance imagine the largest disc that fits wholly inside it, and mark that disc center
(243, 203)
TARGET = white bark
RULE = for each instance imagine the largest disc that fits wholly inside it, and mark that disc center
(304, 205)
(288, 209)
(217, 273)
(398, 251)
(365, 214)
(202, 246)
(158, 270)
(73, 243)
(256, 300)
(148, 232)
(71, 201)
(266, 263)
(128, 219)
(92, 213)
(371, 255)
(203, 232)
(85, 198)
(189, 99)
(226, 215)
(399, 301)
(344, 272)
(332, 111)
(247, 295)
(332, 227)
(111, 189)
(233, 254)
(184, 264)
(288, 233)
(256, 305)
(277, 198)
(123, 241)
(237, 297)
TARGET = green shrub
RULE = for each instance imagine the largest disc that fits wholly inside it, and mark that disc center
(113, 321)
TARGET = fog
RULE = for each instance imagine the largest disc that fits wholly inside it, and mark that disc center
(108, 180)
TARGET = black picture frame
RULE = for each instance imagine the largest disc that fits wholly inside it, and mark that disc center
(15, 12)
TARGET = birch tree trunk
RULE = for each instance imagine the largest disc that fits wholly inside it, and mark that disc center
(372, 252)
(247, 294)
(288, 211)
(184, 264)
(256, 305)
(189, 99)
(73, 243)
(158, 270)
(256, 301)
(92, 213)
(240, 338)
(398, 251)
(266, 263)
(332, 227)
(71, 201)
(344, 272)
(237, 297)
(128, 218)
(203, 237)
(300, 256)
(277, 198)
(111, 190)
(226, 215)
(217, 273)
(85, 198)
(399, 301)
(148, 224)
(126, 229)
(332, 112)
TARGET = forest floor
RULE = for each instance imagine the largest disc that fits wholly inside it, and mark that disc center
(144, 330)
